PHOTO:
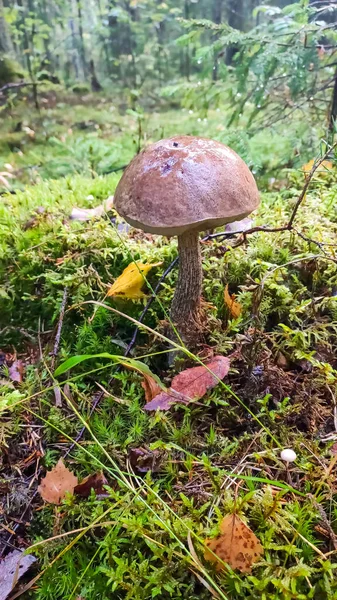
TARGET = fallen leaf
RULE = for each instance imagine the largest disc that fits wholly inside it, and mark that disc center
(15, 371)
(58, 396)
(12, 568)
(239, 226)
(333, 449)
(143, 460)
(85, 214)
(151, 387)
(234, 307)
(30, 132)
(4, 176)
(236, 545)
(322, 170)
(130, 282)
(191, 384)
(57, 483)
(95, 482)
(67, 392)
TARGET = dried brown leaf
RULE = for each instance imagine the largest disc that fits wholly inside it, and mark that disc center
(143, 460)
(14, 566)
(95, 482)
(57, 483)
(58, 396)
(234, 307)
(191, 384)
(151, 387)
(236, 545)
(15, 371)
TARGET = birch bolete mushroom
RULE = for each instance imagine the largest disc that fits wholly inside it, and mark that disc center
(181, 186)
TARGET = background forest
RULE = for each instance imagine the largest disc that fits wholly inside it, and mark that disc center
(259, 64)
(84, 87)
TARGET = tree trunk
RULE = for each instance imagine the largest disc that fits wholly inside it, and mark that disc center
(187, 49)
(74, 55)
(235, 18)
(217, 17)
(28, 45)
(95, 84)
(186, 313)
(6, 45)
(46, 40)
(333, 112)
(80, 32)
(105, 41)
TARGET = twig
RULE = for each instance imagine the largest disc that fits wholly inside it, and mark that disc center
(114, 170)
(325, 521)
(289, 225)
(59, 328)
(25, 510)
(54, 355)
(11, 86)
(311, 241)
(148, 304)
(57, 390)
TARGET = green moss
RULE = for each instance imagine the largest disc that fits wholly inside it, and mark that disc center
(215, 456)
(10, 70)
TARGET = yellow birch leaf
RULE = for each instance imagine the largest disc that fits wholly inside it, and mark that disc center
(129, 283)
(237, 545)
(322, 170)
(57, 483)
(234, 307)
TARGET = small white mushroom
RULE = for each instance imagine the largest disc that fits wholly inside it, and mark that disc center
(288, 455)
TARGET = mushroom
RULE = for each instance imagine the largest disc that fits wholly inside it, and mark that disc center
(181, 186)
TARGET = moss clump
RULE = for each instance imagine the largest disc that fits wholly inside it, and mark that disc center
(10, 70)
(81, 88)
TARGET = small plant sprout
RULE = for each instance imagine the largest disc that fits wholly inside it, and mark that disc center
(181, 186)
(288, 455)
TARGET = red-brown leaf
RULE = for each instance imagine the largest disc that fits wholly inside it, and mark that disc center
(191, 384)
(15, 371)
(96, 482)
(151, 387)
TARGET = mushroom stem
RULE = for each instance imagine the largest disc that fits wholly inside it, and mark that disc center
(186, 308)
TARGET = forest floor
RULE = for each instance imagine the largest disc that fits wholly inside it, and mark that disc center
(171, 476)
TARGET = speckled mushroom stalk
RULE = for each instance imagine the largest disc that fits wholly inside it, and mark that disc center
(186, 311)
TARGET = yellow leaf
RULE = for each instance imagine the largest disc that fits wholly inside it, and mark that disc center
(322, 170)
(234, 307)
(129, 283)
(236, 545)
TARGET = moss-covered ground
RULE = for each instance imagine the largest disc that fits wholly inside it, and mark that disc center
(144, 537)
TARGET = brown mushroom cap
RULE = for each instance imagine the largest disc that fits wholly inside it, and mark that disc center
(184, 183)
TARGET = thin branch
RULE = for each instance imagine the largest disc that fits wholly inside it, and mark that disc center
(289, 225)
(59, 328)
(11, 86)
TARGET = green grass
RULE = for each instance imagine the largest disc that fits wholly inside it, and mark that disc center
(99, 134)
(219, 455)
